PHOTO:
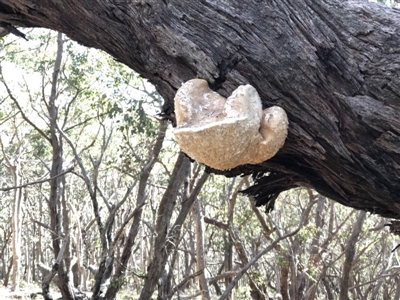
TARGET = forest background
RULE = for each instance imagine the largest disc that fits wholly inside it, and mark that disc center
(97, 201)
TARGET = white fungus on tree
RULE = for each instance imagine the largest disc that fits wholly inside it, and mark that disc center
(226, 133)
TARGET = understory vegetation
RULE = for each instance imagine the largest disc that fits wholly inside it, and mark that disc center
(97, 201)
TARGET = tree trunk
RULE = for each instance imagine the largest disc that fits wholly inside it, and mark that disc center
(7, 277)
(255, 292)
(56, 211)
(16, 240)
(175, 231)
(331, 64)
(13, 165)
(198, 218)
(164, 213)
(3, 269)
(118, 277)
(314, 262)
(228, 261)
(349, 256)
(284, 280)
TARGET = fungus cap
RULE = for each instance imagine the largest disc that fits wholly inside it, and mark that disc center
(225, 133)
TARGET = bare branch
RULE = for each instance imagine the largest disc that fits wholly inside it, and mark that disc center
(82, 122)
(266, 250)
(228, 274)
(10, 116)
(184, 281)
(216, 223)
(126, 221)
(20, 109)
(44, 226)
(36, 181)
(381, 276)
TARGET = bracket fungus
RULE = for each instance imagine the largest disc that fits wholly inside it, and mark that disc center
(224, 133)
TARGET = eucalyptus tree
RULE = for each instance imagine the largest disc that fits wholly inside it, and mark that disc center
(330, 64)
(123, 193)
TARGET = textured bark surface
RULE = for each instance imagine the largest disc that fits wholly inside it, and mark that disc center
(333, 65)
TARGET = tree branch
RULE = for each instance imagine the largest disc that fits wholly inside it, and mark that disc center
(20, 109)
(37, 181)
(266, 250)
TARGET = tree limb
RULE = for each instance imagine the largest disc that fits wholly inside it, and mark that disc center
(37, 181)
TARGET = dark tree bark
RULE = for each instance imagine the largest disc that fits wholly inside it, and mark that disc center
(333, 65)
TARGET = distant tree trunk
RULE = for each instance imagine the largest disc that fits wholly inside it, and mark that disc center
(315, 248)
(16, 240)
(6, 237)
(255, 292)
(284, 279)
(9, 268)
(140, 201)
(16, 217)
(32, 257)
(168, 234)
(48, 277)
(228, 261)
(58, 214)
(191, 189)
(197, 216)
(76, 239)
(350, 251)
(397, 295)
(296, 288)
(164, 212)
(67, 276)
(39, 253)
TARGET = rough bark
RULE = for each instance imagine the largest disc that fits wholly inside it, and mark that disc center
(333, 65)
